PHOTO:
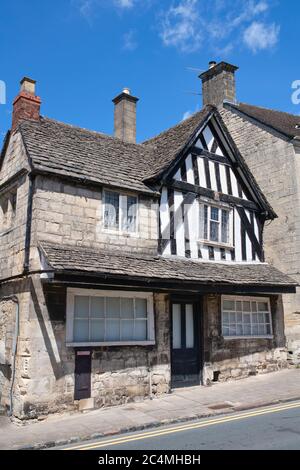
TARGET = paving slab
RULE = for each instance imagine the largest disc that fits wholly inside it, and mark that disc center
(181, 404)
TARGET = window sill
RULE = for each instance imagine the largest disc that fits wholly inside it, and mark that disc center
(227, 246)
(121, 233)
(111, 343)
(247, 337)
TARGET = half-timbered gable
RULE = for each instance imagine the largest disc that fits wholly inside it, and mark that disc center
(211, 209)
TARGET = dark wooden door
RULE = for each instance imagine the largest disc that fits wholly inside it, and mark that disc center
(83, 366)
(185, 344)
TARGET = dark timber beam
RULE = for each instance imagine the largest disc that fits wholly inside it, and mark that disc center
(89, 279)
(212, 156)
(209, 193)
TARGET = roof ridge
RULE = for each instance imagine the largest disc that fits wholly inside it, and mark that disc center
(82, 129)
(264, 108)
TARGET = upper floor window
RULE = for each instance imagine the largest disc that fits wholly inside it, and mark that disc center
(8, 204)
(120, 212)
(215, 224)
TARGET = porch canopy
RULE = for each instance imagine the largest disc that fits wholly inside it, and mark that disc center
(89, 266)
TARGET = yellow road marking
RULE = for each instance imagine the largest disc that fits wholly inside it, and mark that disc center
(186, 427)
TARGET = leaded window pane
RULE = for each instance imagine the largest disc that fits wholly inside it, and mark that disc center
(129, 216)
(225, 227)
(214, 214)
(214, 231)
(111, 211)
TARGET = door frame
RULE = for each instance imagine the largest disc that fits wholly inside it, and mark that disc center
(197, 301)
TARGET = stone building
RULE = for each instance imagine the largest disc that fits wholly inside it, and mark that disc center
(269, 141)
(128, 269)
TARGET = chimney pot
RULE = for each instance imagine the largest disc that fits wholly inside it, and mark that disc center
(26, 105)
(125, 116)
(28, 85)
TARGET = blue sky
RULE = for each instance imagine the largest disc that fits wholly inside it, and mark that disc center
(83, 52)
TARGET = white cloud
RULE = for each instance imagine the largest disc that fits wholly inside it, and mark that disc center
(190, 25)
(179, 26)
(125, 3)
(129, 41)
(260, 36)
(89, 8)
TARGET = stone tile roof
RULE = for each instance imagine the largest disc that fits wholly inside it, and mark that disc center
(172, 142)
(70, 151)
(283, 122)
(86, 260)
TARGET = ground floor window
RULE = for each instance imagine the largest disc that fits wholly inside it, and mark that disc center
(109, 317)
(246, 317)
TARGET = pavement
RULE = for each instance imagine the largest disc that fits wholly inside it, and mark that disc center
(181, 405)
(275, 427)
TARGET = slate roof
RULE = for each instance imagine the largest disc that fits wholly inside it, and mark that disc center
(282, 122)
(80, 259)
(74, 152)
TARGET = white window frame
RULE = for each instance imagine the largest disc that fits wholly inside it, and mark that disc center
(237, 298)
(72, 292)
(122, 204)
(220, 207)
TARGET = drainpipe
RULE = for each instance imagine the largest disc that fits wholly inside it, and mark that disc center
(14, 299)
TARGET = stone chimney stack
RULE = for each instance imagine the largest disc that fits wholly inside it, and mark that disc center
(218, 84)
(26, 105)
(125, 116)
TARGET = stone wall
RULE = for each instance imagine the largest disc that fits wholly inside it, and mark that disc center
(20, 290)
(73, 214)
(226, 359)
(7, 330)
(15, 158)
(45, 379)
(275, 165)
(12, 239)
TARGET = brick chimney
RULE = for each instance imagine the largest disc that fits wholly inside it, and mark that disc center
(125, 116)
(218, 84)
(26, 105)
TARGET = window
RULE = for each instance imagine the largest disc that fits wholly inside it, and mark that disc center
(215, 223)
(8, 206)
(120, 212)
(110, 317)
(246, 317)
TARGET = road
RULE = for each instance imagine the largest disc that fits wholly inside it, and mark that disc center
(271, 428)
